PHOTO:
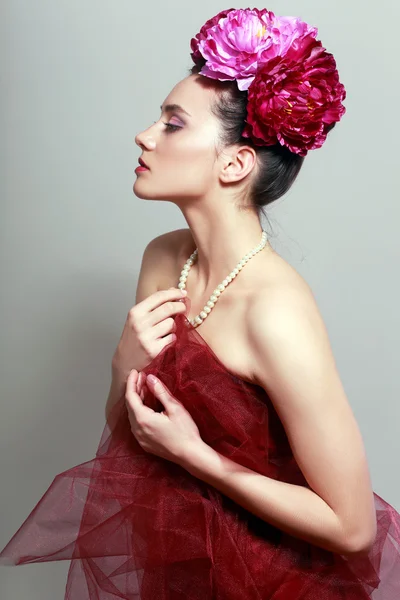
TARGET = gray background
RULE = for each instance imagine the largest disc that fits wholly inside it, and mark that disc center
(78, 81)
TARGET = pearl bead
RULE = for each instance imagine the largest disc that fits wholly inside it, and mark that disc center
(222, 286)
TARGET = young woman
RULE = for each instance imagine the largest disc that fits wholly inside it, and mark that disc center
(239, 471)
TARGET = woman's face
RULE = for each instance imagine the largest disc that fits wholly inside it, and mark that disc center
(180, 148)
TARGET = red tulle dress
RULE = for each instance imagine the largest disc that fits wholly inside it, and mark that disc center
(136, 526)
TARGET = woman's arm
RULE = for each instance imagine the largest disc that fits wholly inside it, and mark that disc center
(294, 509)
(157, 266)
(146, 285)
(295, 365)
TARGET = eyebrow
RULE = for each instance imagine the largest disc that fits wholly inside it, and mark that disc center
(176, 108)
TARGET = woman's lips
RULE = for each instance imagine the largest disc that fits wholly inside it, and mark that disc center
(140, 168)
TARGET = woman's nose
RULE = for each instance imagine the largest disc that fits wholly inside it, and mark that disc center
(139, 139)
(145, 139)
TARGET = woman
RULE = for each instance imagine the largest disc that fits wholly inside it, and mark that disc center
(239, 471)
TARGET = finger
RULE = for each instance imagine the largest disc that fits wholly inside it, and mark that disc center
(142, 392)
(134, 378)
(143, 387)
(131, 393)
(145, 390)
(161, 391)
(139, 384)
(134, 401)
(161, 296)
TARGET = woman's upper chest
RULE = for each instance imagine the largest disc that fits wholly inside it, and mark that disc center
(225, 329)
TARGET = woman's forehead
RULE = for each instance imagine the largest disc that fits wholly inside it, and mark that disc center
(191, 95)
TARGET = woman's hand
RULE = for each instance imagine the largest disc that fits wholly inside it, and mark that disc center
(149, 327)
(171, 434)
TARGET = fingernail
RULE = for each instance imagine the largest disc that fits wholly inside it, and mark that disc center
(151, 378)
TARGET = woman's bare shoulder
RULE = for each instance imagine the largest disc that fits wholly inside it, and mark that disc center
(172, 239)
(168, 250)
(171, 245)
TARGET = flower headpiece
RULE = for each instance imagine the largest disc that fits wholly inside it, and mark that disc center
(294, 93)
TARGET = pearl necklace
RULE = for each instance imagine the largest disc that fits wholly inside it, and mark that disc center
(196, 321)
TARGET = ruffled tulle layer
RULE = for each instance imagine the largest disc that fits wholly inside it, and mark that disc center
(134, 525)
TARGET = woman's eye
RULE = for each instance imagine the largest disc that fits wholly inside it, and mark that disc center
(172, 127)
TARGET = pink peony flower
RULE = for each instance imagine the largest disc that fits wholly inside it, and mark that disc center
(285, 33)
(202, 35)
(231, 46)
(233, 42)
(294, 93)
(295, 98)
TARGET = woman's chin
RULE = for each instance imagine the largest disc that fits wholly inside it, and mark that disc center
(144, 196)
(140, 194)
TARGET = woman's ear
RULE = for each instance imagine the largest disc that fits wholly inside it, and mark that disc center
(238, 164)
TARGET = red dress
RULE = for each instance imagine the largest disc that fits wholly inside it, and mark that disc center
(136, 526)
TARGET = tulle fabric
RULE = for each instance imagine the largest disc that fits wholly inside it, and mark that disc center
(136, 526)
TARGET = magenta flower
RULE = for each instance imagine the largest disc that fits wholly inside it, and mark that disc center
(202, 35)
(285, 33)
(294, 93)
(295, 98)
(231, 46)
(234, 41)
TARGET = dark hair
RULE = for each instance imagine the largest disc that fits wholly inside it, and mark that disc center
(279, 166)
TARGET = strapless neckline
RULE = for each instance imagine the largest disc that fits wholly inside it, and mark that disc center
(199, 338)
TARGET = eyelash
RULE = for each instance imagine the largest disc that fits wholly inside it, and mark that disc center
(171, 128)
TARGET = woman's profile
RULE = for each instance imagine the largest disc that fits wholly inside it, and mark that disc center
(238, 470)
